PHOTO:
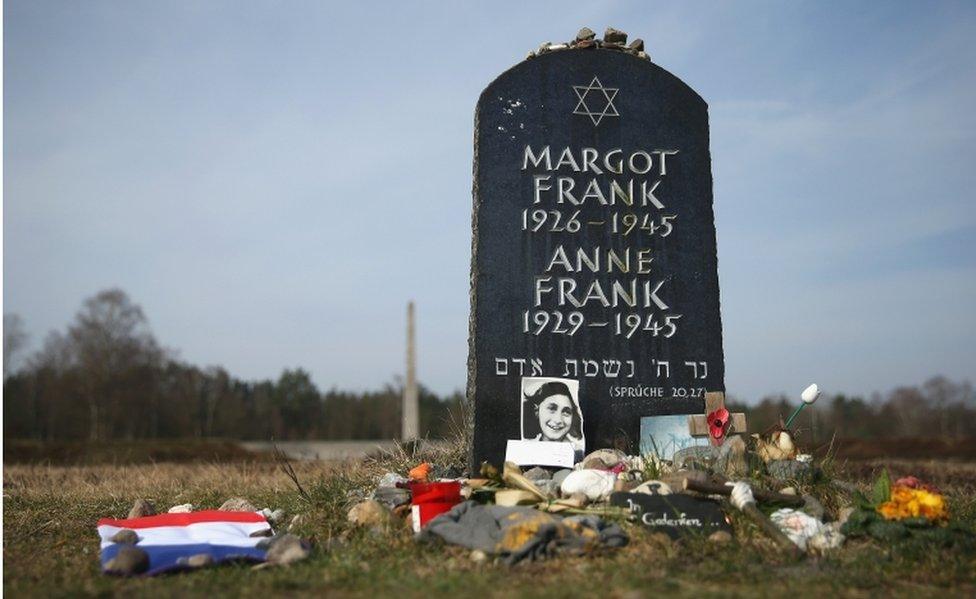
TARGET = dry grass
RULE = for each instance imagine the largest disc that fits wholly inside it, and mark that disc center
(51, 548)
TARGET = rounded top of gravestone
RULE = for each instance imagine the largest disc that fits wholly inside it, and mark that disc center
(576, 67)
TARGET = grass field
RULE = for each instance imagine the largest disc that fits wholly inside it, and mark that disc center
(51, 547)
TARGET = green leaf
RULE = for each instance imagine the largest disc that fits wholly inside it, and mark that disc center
(858, 522)
(887, 531)
(882, 489)
(862, 502)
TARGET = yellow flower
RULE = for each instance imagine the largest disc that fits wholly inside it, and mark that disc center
(913, 503)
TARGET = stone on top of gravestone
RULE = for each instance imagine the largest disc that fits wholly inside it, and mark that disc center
(594, 278)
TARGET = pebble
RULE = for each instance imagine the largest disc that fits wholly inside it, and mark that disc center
(128, 561)
(788, 469)
(200, 560)
(273, 516)
(183, 508)
(478, 556)
(699, 454)
(125, 537)
(537, 474)
(609, 457)
(264, 532)
(297, 520)
(391, 479)
(391, 497)
(812, 506)
(142, 508)
(560, 475)
(788, 491)
(732, 457)
(595, 484)
(720, 536)
(614, 36)
(286, 549)
(585, 34)
(237, 504)
(369, 513)
(594, 464)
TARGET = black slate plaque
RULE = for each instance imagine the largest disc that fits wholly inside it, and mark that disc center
(675, 515)
(593, 257)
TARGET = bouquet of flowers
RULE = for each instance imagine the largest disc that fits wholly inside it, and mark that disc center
(905, 508)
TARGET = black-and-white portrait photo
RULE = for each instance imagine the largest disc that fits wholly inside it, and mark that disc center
(551, 411)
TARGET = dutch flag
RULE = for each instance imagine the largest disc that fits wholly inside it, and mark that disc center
(169, 539)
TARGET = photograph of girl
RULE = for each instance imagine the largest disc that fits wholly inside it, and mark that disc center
(551, 412)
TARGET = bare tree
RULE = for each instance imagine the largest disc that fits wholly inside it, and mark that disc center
(111, 337)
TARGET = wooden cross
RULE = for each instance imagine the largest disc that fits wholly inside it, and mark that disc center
(698, 423)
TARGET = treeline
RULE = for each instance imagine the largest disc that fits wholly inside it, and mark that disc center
(938, 408)
(106, 377)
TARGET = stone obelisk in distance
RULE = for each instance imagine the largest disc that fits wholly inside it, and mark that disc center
(411, 417)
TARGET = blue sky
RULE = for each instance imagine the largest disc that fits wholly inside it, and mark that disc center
(272, 181)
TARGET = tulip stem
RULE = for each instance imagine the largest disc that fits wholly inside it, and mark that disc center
(794, 415)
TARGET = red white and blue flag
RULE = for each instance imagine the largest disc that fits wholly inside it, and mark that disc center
(169, 539)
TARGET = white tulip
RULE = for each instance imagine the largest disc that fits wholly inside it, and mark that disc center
(810, 394)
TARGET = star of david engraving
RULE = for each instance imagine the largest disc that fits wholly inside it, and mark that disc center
(595, 101)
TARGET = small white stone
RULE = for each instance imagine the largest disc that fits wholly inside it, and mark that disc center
(183, 508)
(595, 484)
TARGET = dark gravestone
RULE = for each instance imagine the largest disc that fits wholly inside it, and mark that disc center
(594, 247)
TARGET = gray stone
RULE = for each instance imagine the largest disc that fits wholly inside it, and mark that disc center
(699, 454)
(560, 475)
(594, 464)
(142, 508)
(286, 549)
(264, 532)
(369, 513)
(537, 473)
(128, 562)
(720, 537)
(788, 469)
(391, 497)
(237, 504)
(585, 34)
(608, 457)
(125, 537)
(812, 506)
(391, 479)
(614, 36)
(731, 459)
(637, 45)
(200, 560)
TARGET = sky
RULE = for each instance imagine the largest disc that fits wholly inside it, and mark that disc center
(273, 181)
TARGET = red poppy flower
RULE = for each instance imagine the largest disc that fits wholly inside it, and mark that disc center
(718, 425)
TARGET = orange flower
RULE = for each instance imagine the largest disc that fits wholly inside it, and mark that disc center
(906, 502)
(419, 473)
